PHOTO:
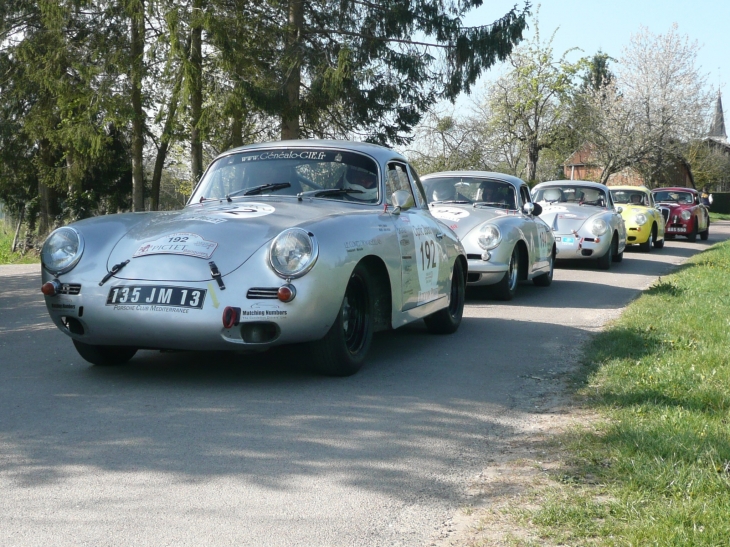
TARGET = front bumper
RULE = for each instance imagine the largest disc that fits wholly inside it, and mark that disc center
(485, 272)
(637, 234)
(571, 246)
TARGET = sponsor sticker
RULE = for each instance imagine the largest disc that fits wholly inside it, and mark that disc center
(454, 214)
(179, 243)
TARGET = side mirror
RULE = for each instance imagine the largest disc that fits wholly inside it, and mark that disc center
(402, 200)
(619, 209)
(532, 209)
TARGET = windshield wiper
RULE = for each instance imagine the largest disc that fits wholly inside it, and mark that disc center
(258, 189)
(450, 201)
(328, 192)
(491, 204)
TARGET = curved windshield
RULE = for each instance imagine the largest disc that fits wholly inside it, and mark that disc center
(581, 195)
(673, 197)
(479, 191)
(331, 174)
(631, 197)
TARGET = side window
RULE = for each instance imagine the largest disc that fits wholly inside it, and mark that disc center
(420, 192)
(525, 194)
(397, 179)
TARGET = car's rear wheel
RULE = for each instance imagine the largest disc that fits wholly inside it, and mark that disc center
(104, 356)
(604, 262)
(646, 246)
(447, 320)
(506, 288)
(343, 349)
(546, 279)
(693, 236)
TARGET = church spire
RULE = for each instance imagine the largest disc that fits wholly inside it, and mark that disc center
(717, 127)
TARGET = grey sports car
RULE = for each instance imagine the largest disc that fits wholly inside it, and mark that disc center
(584, 220)
(323, 242)
(493, 215)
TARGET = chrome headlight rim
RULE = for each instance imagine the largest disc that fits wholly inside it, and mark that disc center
(482, 238)
(599, 227)
(66, 265)
(640, 219)
(686, 214)
(293, 274)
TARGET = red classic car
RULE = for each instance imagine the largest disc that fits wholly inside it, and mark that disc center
(683, 213)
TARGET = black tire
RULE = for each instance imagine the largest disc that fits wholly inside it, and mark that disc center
(604, 262)
(659, 243)
(693, 236)
(506, 287)
(546, 279)
(704, 235)
(447, 320)
(343, 349)
(646, 246)
(104, 356)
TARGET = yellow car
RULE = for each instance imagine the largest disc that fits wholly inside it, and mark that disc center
(644, 222)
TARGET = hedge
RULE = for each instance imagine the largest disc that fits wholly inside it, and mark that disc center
(720, 202)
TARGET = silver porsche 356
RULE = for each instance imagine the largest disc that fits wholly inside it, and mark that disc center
(493, 215)
(324, 242)
(584, 220)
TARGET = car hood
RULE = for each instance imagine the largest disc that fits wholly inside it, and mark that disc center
(462, 219)
(567, 218)
(177, 246)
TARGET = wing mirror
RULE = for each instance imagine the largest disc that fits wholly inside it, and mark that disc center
(619, 209)
(402, 201)
(532, 209)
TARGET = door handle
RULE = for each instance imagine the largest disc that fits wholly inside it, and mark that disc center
(440, 235)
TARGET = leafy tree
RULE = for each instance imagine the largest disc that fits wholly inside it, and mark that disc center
(529, 105)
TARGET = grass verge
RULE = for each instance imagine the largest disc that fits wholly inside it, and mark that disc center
(719, 216)
(655, 470)
(8, 257)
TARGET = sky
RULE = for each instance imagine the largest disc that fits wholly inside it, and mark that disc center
(593, 25)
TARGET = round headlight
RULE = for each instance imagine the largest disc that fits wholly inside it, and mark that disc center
(293, 252)
(686, 214)
(62, 250)
(599, 227)
(640, 219)
(489, 237)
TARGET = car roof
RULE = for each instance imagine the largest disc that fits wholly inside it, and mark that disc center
(478, 174)
(629, 187)
(380, 153)
(675, 189)
(585, 183)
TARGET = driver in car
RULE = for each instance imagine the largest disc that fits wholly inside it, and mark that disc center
(366, 182)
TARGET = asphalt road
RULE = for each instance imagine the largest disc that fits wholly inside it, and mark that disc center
(214, 450)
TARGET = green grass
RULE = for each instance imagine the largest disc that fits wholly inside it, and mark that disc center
(655, 470)
(7, 257)
(719, 216)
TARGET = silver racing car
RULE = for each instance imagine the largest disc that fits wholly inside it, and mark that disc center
(323, 242)
(493, 215)
(584, 220)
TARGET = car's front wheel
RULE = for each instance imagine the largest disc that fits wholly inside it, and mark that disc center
(343, 349)
(693, 236)
(646, 246)
(104, 356)
(506, 288)
(447, 320)
(704, 235)
(546, 279)
(604, 262)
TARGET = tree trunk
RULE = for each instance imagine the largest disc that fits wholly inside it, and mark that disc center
(17, 230)
(47, 196)
(136, 74)
(533, 153)
(165, 143)
(290, 116)
(196, 90)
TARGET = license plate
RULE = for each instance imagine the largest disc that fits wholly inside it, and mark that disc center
(567, 239)
(180, 297)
